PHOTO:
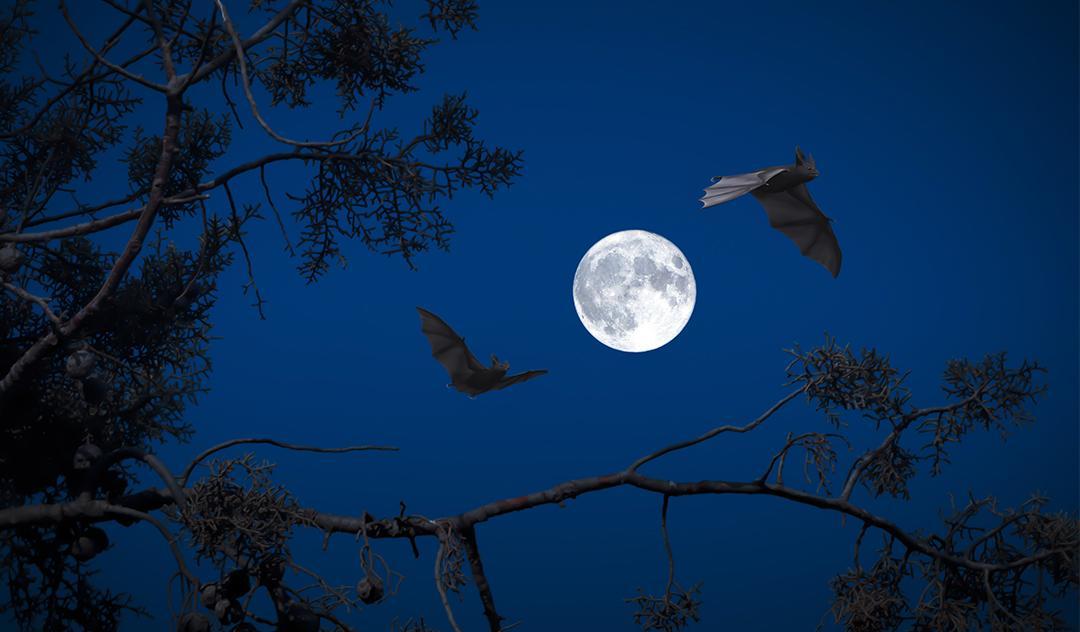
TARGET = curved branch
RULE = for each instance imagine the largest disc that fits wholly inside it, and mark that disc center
(120, 70)
(176, 491)
(43, 303)
(245, 82)
(258, 36)
(439, 585)
(715, 431)
(165, 533)
(280, 444)
(859, 466)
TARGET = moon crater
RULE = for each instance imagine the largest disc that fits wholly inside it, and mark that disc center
(634, 291)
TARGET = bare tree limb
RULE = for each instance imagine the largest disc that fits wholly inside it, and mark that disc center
(280, 444)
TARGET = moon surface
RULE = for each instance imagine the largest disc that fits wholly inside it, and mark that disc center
(634, 291)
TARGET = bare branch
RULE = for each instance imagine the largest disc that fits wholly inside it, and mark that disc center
(716, 431)
(120, 70)
(43, 303)
(245, 82)
(280, 444)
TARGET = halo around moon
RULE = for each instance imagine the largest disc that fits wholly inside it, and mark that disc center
(634, 291)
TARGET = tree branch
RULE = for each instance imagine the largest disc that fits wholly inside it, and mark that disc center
(280, 444)
(123, 262)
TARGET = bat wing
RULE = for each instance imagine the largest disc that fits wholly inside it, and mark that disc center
(728, 188)
(520, 377)
(448, 348)
(794, 213)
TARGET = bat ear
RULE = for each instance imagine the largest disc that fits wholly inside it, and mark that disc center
(798, 156)
(810, 161)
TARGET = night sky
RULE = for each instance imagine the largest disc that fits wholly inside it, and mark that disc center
(946, 136)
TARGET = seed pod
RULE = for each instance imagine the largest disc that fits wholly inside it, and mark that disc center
(228, 611)
(236, 584)
(80, 363)
(11, 259)
(193, 622)
(89, 544)
(85, 456)
(298, 618)
(94, 390)
(209, 596)
(369, 589)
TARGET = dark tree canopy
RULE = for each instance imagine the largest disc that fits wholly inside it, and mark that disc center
(104, 348)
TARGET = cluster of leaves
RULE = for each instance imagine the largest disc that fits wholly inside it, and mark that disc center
(381, 192)
(838, 379)
(352, 44)
(990, 394)
(46, 144)
(237, 512)
(955, 580)
(870, 600)
(149, 352)
(943, 595)
(49, 590)
(675, 610)
(203, 139)
(451, 576)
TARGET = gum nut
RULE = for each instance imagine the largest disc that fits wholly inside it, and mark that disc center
(83, 549)
(369, 590)
(222, 610)
(193, 622)
(80, 363)
(85, 456)
(89, 544)
(208, 596)
(11, 258)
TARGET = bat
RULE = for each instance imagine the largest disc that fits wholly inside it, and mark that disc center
(788, 205)
(467, 374)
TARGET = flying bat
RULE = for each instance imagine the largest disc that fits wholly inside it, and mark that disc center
(467, 374)
(788, 205)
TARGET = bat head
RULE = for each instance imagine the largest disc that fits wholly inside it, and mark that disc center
(496, 364)
(806, 163)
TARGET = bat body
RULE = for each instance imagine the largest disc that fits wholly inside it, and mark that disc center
(788, 205)
(467, 374)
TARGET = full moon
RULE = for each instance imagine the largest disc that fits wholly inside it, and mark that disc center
(634, 291)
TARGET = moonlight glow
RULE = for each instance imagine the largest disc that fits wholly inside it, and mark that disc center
(634, 291)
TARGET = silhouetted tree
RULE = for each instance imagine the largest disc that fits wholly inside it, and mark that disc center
(102, 351)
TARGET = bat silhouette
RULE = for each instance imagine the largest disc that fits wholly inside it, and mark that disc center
(467, 374)
(791, 210)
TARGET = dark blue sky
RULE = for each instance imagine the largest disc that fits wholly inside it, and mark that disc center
(946, 136)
